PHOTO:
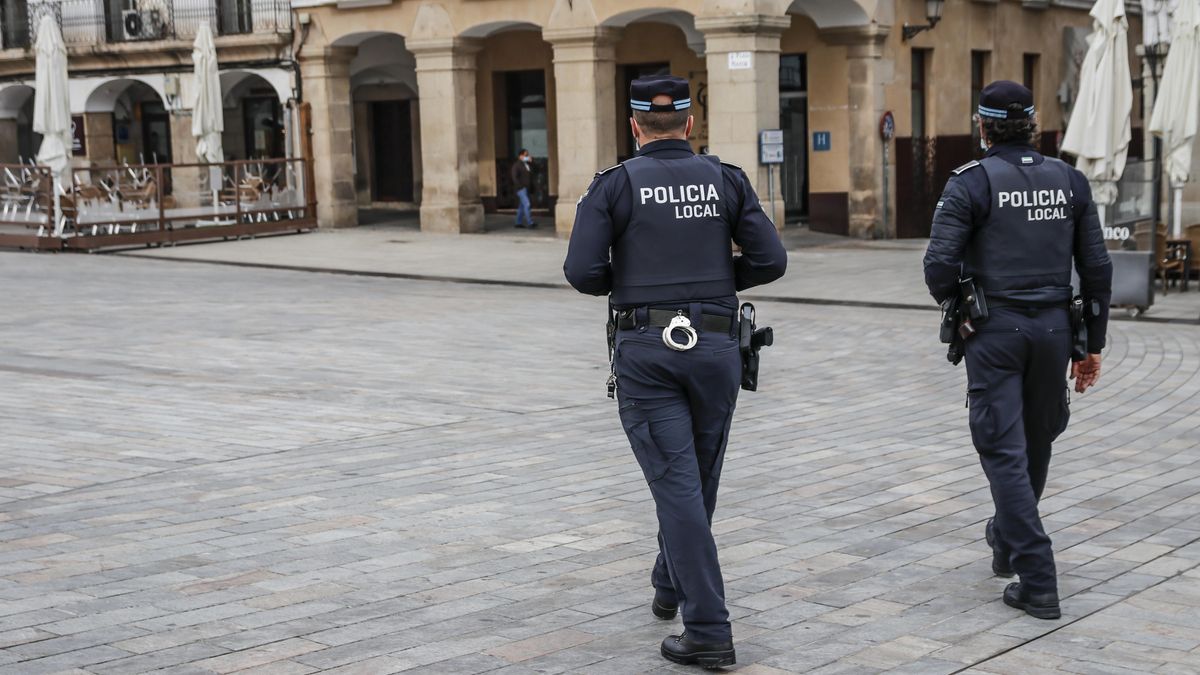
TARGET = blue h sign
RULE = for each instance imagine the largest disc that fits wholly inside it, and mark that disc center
(822, 141)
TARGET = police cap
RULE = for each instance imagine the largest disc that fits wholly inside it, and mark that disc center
(643, 90)
(997, 99)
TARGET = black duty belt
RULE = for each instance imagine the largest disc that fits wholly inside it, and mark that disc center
(659, 318)
(1026, 304)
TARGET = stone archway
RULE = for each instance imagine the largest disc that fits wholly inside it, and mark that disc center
(386, 120)
(132, 113)
(833, 13)
(516, 98)
(255, 123)
(18, 142)
(860, 27)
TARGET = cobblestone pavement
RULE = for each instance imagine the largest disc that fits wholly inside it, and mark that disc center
(218, 469)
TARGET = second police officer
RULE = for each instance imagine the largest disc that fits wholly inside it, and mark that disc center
(1013, 222)
(655, 233)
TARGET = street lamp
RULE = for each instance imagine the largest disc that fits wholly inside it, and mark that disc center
(933, 14)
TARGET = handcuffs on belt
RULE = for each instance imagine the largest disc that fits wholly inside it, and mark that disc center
(679, 322)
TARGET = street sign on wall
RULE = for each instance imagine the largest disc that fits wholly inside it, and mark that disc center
(770, 146)
(741, 60)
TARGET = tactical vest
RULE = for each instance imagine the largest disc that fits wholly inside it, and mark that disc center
(678, 243)
(1026, 244)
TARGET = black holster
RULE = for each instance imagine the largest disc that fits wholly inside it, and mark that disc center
(949, 332)
(974, 304)
(1079, 331)
(958, 314)
(750, 341)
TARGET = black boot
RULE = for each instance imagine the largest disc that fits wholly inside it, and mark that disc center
(1001, 566)
(710, 655)
(662, 608)
(1037, 605)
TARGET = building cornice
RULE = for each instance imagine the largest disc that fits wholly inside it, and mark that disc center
(256, 48)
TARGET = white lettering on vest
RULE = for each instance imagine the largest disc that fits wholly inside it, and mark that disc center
(680, 194)
(692, 201)
(685, 211)
(1034, 215)
(1032, 198)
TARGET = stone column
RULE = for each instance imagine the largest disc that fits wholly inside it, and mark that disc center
(98, 132)
(449, 135)
(326, 75)
(864, 49)
(744, 99)
(585, 89)
(8, 140)
(185, 182)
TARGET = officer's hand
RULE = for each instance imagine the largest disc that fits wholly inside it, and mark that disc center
(1086, 372)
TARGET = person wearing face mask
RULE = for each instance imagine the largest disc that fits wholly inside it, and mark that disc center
(522, 178)
(1005, 234)
(656, 233)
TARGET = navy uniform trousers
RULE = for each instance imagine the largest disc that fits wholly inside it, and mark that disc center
(1017, 392)
(676, 408)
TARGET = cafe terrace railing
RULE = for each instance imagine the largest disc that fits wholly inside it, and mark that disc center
(90, 22)
(153, 204)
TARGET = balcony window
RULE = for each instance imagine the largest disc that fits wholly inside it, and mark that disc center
(235, 17)
(14, 24)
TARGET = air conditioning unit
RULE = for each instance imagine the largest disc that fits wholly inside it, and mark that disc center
(141, 24)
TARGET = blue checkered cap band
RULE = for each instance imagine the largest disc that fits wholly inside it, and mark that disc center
(647, 106)
(996, 113)
(643, 90)
(1006, 100)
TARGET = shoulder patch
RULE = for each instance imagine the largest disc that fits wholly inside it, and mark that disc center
(965, 167)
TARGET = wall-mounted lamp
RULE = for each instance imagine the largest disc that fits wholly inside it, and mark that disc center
(933, 14)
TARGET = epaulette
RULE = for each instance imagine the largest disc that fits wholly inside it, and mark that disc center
(969, 165)
(731, 165)
(604, 171)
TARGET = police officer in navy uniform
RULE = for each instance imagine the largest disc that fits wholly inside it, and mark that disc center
(670, 218)
(1014, 222)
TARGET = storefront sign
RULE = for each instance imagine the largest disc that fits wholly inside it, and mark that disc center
(79, 144)
(822, 141)
(741, 60)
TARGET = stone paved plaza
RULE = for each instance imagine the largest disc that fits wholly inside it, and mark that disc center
(213, 469)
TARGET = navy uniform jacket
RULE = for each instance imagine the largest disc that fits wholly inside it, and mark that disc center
(605, 209)
(967, 201)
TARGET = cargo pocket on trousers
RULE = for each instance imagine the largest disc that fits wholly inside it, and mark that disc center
(983, 424)
(637, 428)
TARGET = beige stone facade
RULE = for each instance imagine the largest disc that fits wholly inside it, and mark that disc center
(423, 104)
(488, 76)
(130, 90)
